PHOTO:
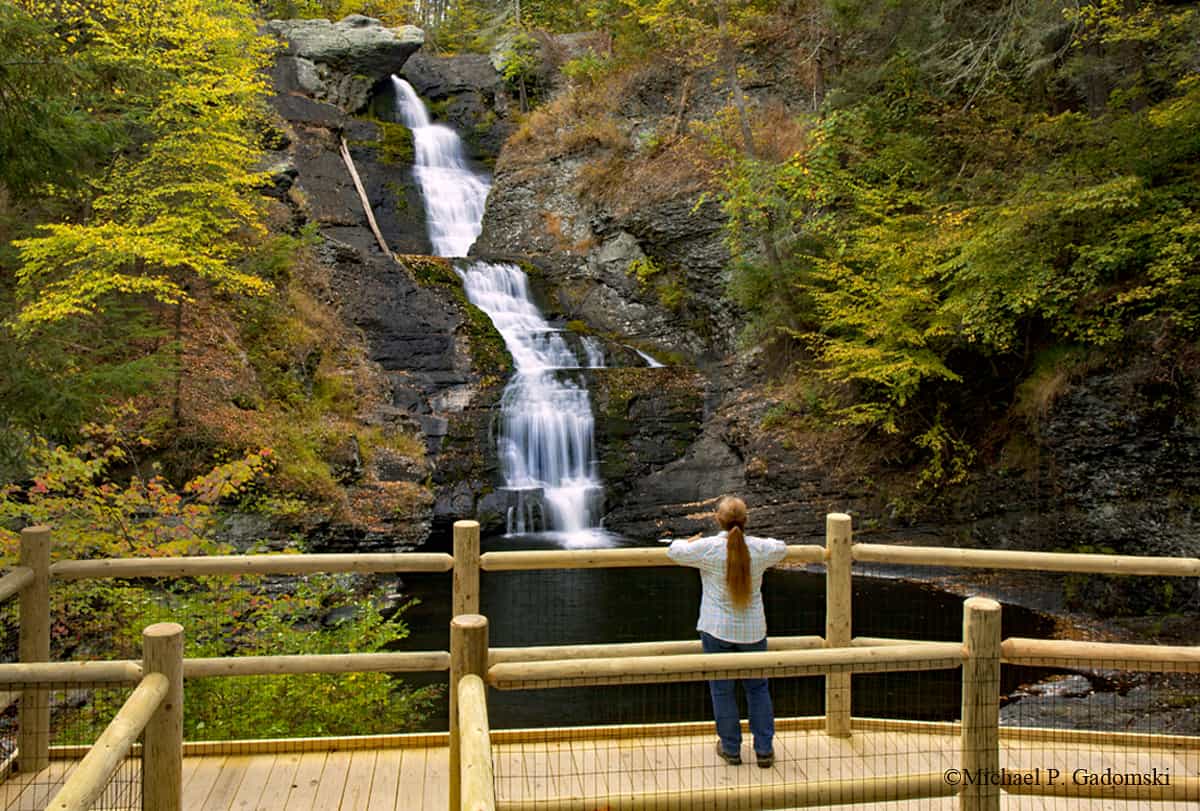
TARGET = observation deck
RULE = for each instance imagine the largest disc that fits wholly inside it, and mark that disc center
(983, 759)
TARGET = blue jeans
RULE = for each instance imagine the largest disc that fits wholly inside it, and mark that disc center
(724, 700)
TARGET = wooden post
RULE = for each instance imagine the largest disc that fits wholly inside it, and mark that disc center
(162, 752)
(33, 718)
(468, 655)
(980, 706)
(838, 595)
(466, 568)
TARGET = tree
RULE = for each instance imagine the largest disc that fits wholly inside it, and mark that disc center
(97, 513)
(46, 134)
(183, 202)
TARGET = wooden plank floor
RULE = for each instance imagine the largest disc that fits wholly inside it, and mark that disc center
(358, 780)
(415, 779)
(605, 771)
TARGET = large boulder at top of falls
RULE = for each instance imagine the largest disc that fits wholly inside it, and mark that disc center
(355, 44)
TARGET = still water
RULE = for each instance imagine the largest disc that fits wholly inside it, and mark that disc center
(644, 605)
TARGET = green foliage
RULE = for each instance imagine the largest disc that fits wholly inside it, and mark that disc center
(47, 135)
(671, 291)
(468, 26)
(643, 269)
(95, 515)
(188, 80)
(923, 239)
(302, 705)
(60, 376)
(587, 69)
(519, 59)
(390, 12)
(555, 15)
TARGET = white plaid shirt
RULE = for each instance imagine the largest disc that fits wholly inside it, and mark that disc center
(719, 617)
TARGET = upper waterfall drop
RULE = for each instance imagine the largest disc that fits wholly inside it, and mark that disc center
(454, 194)
(546, 448)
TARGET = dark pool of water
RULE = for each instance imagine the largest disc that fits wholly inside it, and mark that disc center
(638, 605)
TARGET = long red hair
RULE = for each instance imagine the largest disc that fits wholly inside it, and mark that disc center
(731, 516)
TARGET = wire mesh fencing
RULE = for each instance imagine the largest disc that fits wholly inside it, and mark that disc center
(247, 616)
(677, 764)
(1105, 731)
(77, 714)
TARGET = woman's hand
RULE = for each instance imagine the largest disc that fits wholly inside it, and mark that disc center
(695, 537)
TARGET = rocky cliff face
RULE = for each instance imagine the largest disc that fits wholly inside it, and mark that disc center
(340, 62)
(443, 361)
(1111, 465)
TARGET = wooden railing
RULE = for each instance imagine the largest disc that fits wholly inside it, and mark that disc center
(30, 581)
(155, 708)
(478, 790)
(836, 654)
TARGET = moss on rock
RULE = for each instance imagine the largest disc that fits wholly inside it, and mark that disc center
(489, 355)
(396, 147)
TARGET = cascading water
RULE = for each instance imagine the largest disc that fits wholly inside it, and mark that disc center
(454, 195)
(547, 454)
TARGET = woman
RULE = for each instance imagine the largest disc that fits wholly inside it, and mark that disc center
(732, 619)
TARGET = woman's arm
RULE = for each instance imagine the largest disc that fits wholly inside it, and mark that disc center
(683, 550)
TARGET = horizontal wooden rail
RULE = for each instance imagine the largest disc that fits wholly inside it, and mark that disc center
(877, 641)
(1077, 783)
(409, 662)
(695, 667)
(201, 566)
(862, 790)
(1039, 561)
(97, 768)
(130, 672)
(478, 789)
(120, 671)
(625, 557)
(1058, 652)
(14, 581)
(666, 648)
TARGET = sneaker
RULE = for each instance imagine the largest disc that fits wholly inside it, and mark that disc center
(733, 760)
(765, 761)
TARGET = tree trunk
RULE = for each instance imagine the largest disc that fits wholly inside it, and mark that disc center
(729, 60)
(177, 407)
(683, 101)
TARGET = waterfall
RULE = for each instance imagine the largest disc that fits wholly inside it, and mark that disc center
(454, 195)
(546, 448)
(651, 362)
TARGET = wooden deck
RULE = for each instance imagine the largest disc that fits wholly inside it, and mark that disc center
(610, 769)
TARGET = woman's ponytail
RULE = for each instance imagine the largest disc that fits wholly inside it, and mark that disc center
(731, 516)
(737, 567)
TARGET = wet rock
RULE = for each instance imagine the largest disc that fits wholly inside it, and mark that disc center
(1154, 703)
(464, 92)
(1068, 685)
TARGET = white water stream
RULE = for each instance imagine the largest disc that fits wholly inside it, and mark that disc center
(546, 449)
